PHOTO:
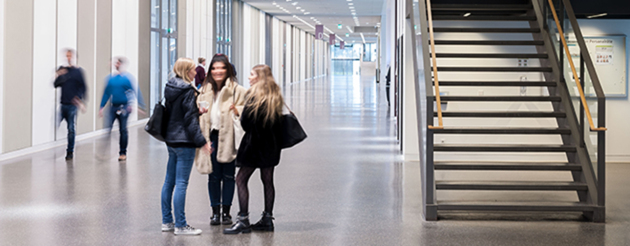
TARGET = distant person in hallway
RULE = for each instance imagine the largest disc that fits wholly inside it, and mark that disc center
(260, 147)
(225, 97)
(122, 92)
(72, 82)
(183, 136)
(387, 83)
(201, 71)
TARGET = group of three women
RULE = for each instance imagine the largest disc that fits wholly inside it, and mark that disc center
(192, 130)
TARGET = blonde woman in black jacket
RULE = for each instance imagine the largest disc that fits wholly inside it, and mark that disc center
(183, 137)
(260, 147)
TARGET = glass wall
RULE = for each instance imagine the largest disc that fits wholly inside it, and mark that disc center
(224, 27)
(163, 45)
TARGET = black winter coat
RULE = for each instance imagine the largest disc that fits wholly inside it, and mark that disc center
(260, 146)
(183, 115)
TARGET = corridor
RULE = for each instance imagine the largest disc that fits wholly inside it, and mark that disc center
(345, 185)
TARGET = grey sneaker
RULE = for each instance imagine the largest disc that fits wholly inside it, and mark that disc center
(187, 230)
(168, 227)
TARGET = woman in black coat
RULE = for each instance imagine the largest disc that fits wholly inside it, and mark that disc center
(260, 147)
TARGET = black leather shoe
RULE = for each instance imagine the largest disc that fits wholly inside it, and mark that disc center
(227, 219)
(69, 156)
(215, 220)
(241, 225)
(265, 223)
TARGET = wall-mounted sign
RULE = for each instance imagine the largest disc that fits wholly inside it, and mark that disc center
(331, 40)
(341, 45)
(319, 32)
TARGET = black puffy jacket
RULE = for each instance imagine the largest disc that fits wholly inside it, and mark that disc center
(183, 115)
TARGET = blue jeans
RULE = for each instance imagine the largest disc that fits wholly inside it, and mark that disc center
(120, 113)
(180, 163)
(221, 172)
(69, 113)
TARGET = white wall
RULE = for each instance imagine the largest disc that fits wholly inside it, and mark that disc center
(1, 72)
(44, 63)
(617, 109)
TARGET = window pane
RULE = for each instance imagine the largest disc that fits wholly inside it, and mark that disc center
(173, 52)
(155, 13)
(165, 14)
(173, 15)
(156, 88)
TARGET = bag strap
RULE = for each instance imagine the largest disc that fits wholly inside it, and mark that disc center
(285, 104)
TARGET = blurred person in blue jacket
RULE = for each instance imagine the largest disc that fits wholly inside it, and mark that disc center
(121, 92)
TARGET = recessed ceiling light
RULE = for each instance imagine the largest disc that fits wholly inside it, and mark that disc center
(351, 7)
(467, 14)
(350, 3)
(298, 7)
(354, 13)
(595, 16)
(307, 13)
(295, 3)
(302, 10)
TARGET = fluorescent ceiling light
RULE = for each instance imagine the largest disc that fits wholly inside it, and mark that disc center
(295, 3)
(302, 10)
(349, 29)
(350, 3)
(598, 15)
(351, 7)
(362, 37)
(467, 14)
(307, 13)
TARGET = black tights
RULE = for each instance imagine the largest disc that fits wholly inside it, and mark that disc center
(266, 175)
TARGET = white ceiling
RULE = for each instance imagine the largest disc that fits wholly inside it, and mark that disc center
(329, 13)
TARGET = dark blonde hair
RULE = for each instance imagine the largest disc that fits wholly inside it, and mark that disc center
(181, 68)
(264, 97)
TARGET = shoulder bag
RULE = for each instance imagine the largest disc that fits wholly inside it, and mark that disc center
(292, 131)
(156, 126)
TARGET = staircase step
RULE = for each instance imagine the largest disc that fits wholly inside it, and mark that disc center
(486, 30)
(494, 69)
(497, 83)
(480, 7)
(563, 131)
(489, 42)
(489, 55)
(513, 114)
(515, 206)
(510, 185)
(504, 148)
(505, 166)
(500, 98)
(484, 18)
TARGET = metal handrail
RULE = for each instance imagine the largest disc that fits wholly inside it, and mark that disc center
(438, 101)
(573, 70)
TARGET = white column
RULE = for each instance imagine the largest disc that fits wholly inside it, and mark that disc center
(125, 39)
(66, 38)
(44, 61)
(1, 72)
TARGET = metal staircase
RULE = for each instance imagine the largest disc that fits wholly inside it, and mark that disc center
(582, 145)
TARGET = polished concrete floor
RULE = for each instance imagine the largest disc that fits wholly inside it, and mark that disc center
(345, 185)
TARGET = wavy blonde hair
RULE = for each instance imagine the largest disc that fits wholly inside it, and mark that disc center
(265, 97)
(181, 68)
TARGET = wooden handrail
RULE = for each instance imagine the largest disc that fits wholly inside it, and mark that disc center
(438, 101)
(575, 75)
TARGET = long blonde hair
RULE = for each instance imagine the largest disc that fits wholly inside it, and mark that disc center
(265, 97)
(181, 68)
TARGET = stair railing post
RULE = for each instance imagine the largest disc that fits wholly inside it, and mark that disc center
(582, 129)
(601, 152)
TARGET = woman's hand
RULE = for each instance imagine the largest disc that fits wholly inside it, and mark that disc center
(203, 110)
(208, 148)
(233, 108)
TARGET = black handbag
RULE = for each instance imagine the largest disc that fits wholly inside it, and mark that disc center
(292, 131)
(156, 126)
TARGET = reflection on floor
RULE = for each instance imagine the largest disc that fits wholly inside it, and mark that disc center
(345, 185)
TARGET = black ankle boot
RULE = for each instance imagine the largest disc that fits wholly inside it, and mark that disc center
(241, 225)
(227, 219)
(265, 223)
(216, 216)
